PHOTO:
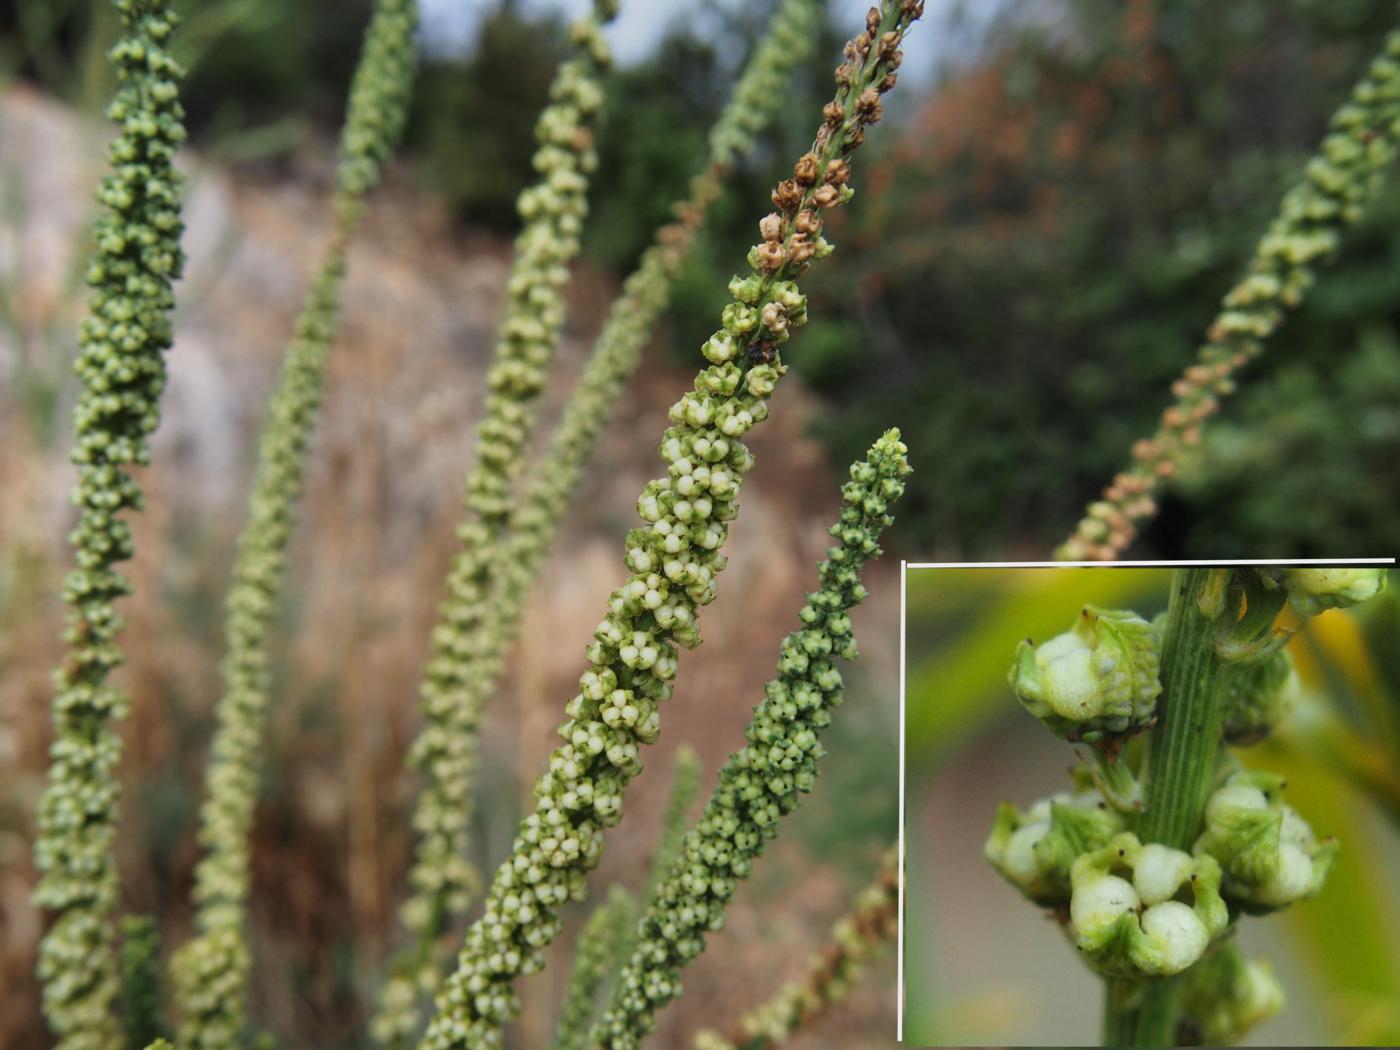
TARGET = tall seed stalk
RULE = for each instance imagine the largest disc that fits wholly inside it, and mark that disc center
(136, 259)
(488, 601)
(210, 973)
(442, 881)
(765, 780)
(1337, 184)
(617, 352)
(674, 560)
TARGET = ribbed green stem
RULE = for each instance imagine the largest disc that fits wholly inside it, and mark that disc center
(1180, 771)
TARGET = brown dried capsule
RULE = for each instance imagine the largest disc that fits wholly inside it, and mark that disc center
(761, 352)
(808, 222)
(787, 195)
(872, 21)
(800, 249)
(806, 170)
(771, 255)
(833, 113)
(771, 227)
(774, 318)
(825, 196)
(837, 172)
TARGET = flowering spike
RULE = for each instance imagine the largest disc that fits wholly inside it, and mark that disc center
(675, 559)
(1336, 185)
(1099, 679)
(766, 779)
(442, 881)
(136, 258)
(210, 972)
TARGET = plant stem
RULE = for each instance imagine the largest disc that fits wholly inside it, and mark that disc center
(1178, 777)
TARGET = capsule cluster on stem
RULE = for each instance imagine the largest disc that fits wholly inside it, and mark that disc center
(496, 598)
(127, 330)
(674, 561)
(1140, 910)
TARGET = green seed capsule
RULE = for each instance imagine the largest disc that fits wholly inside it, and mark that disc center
(1124, 916)
(1035, 850)
(1270, 856)
(1098, 679)
(1258, 697)
(1311, 591)
(1225, 996)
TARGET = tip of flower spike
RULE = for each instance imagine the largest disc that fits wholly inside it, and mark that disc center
(889, 446)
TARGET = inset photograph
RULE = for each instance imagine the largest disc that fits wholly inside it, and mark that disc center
(1152, 806)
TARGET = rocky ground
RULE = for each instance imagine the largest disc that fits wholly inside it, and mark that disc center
(376, 535)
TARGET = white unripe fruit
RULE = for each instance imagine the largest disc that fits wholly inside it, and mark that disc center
(1291, 879)
(1020, 861)
(1234, 796)
(1176, 934)
(1098, 904)
(1160, 871)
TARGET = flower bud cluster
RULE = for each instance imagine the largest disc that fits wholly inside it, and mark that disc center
(674, 561)
(136, 258)
(1098, 679)
(764, 85)
(1336, 185)
(379, 97)
(766, 779)
(552, 211)
(1269, 854)
(856, 938)
(1225, 996)
(616, 355)
(1136, 926)
(1036, 850)
(754, 104)
(210, 972)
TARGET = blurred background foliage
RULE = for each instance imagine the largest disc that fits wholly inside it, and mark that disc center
(970, 746)
(1046, 236)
